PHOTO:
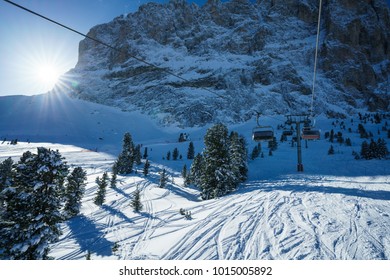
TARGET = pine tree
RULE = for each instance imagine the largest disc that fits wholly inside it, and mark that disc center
(6, 174)
(175, 154)
(184, 171)
(186, 176)
(145, 153)
(146, 168)
(340, 138)
(238, 157)
(331, 150)
(191, 151)
(365, 150)
(383, 152)
(163, 179)
(33, 204)
(102, 186)
(137, 154)
(331, 136)
(74, 192)
(217, 178)
(362, 131)
(196, 170)
(169, 155)
(125, 161)
(136, 201)
(256, 151)
(373, 150)
(114, 178)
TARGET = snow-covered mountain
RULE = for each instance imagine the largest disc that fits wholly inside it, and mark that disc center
(238, 57)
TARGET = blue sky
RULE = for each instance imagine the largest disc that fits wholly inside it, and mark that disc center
(29, 42)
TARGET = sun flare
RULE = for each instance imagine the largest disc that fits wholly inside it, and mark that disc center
(47, 75)
(42, 68)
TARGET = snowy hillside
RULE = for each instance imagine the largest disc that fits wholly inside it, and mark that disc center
(337, 209)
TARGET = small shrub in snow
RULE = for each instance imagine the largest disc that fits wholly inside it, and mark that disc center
(136, 201)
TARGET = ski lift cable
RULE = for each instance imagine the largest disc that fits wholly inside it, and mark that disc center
(315, 59)
(108, 46)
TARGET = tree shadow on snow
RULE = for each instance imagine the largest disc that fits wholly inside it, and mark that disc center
(115, 212)
(373, 194)
(181, 191)
(89, 237)
(120, 191)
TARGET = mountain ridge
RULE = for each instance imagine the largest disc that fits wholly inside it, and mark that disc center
(259, 56)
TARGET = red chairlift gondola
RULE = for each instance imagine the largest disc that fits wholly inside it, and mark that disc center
(309, 133)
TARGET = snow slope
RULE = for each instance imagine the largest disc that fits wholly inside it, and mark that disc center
(337, 209)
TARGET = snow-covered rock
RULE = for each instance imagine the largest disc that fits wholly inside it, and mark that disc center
(237, 57)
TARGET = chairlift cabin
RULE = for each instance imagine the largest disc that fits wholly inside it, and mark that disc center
(288, 132)
(309, 133)
(262, 133)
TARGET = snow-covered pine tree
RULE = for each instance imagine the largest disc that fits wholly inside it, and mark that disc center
(34, 202)
(217, 178)
(6, 173)
(146, 168)
(191, 151)
(136, 201)
(196, 170)
(125, 161)
(238, 156)
(114, 178)
(74, 192)
(184, 171)
(102, 187)
(163, 179)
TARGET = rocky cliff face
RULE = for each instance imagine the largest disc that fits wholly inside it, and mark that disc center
(238, 57)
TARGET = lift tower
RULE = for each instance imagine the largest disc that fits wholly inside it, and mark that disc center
(298, 120)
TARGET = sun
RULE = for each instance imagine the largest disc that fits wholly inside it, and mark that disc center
(47, 75)
(42, 67)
